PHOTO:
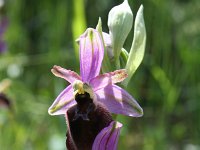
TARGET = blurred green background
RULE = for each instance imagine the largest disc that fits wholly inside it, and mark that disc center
(41, 33)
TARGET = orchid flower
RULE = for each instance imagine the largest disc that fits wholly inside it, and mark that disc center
(102, 87)
(90, 98)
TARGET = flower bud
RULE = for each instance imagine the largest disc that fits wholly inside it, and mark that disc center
(120, 19)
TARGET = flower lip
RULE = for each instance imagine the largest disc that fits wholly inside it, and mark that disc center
(85, 122)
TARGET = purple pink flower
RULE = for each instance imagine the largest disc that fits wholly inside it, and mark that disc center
(93, 93)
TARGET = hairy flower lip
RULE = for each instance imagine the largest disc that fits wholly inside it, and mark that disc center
(88, 118)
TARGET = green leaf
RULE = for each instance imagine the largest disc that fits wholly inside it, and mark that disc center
(138, 45)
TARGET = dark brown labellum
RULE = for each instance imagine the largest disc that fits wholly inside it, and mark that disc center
(86, 120)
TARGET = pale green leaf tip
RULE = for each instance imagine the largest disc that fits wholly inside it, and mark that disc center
(140, 11)
(141, 7)
(99, 25)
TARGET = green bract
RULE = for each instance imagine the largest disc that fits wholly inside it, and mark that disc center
(138, 45)
(120, 19)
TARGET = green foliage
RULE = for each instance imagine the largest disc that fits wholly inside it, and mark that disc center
(42, 33)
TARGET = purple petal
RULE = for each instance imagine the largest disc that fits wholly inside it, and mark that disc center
(119, 101)
(63, 102)
(108, 78)
(68, 75)
(91, 54)
(107, 139)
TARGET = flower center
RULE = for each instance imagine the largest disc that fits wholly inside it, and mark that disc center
(84, 96)
(80, 88)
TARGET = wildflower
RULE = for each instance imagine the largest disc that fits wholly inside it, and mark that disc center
(90, 98)
(102, 87)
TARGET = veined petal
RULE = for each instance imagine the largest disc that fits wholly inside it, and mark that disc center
(119, 101)
(91, 54)
(68, 75)
(63, 102)
(107, 139)
(108, 78)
